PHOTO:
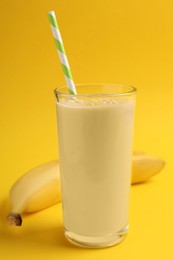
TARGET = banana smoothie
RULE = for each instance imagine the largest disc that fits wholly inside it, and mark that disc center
(95, 147)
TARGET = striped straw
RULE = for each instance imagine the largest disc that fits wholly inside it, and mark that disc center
(61, 52)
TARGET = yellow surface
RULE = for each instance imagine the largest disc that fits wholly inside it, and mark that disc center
(127, 41)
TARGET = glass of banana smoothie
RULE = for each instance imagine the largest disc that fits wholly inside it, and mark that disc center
(95, 133)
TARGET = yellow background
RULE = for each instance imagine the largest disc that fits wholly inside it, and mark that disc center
(125, 41)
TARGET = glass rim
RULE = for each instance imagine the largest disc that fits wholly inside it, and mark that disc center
(131, 90)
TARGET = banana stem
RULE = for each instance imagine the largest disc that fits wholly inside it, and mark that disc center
(14, 219)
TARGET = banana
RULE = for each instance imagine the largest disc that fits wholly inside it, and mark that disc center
(145, 166)
(34, 191)
(41, 188)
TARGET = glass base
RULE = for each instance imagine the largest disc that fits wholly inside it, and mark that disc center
(97, 242)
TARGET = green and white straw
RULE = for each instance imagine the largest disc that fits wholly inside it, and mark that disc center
(61, 52)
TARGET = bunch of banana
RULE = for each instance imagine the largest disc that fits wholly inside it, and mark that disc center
(40, 188)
